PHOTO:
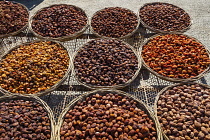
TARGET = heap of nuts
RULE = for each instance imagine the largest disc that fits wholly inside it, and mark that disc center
(164, 16)
(107, 117)
(59, 21)
(105, 62)
(175, 56)
(33, 67)
(114, 22)
(21, 119)
(184, 112)
(13, 17)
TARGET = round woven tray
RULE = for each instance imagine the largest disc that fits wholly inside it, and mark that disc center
(162, 31)
(34, 99)
(108, 87)
(20, 30)
(63, 38)
(47, 90)
(168, 78)
(162, 92)
(140, 105)
(123, 37)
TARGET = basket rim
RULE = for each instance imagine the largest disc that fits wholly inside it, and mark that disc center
(163, 91)
(141, 105)
(21, 29)
(118, 86)
(122, 37)
(52, 88)
(162, 31)
(38, 100)
(62, 38)
(168, 78)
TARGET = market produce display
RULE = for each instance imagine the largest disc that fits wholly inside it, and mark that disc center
(184, 112)
(106, 62)
(114, 22)
(14, 17)
(164, 17)
(59, 21)
(33, 67)
(102, 61)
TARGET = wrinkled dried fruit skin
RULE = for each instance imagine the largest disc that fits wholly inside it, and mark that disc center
(175, 56)
(183, 112)
(109, 116)
(105, 62)
(13, 17)
(33, 67)
(59, 21)
(20, 119)
(165, 17)
(114, 22)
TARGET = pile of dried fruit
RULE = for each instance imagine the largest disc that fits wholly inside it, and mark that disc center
(110, 116)
(13, 17)
(164, 16)
(20, 119)
(105, 62)
(33, 67)
(175, 56)
(114, 22)
(184, 112)
(59, 21)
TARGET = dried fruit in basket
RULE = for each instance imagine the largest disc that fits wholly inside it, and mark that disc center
(184, 112)
(109, 116)
(114, 22)
(59, 21)
(105, 62)
(176, 56)
(34, 67)
(13, 17)
(22, 119)
(164, 17)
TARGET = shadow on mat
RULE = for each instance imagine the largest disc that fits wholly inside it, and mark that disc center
(30, 4)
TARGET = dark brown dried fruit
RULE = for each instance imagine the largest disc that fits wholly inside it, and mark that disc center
(164, 17)
(114, 22)
(18, 122)
(13, 17)
(59, 21)
(105, 62)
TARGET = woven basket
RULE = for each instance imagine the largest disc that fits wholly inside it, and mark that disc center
(168, 78)
(47, 90)
(34, 99)
(162, 92)
(140, 105)
(20, 30)
(123, 37)
(63, 38)
(162, 31)
(108, 87)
